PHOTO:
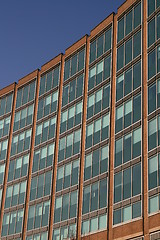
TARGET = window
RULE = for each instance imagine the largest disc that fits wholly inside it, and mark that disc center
(15, 194)
(12, 222)
(153, 62)
(6, 104)
(49, 80)
(26, 94)
(94, 224)
(45, 131)
(128, 147)
(127, 213)
(47, 105)
(154, 172)
(72, 90)
(38, 215)
(40, 236)
(3, 149)
(64, 232)
(129, 50)
(129, 22)
(153, 97)
(18, 168)
(23, 117)
(95, 196)
(154, 133)
(43, 157)
(153, 30)
(71, 117)
(127, 183)
(97, 131)
(41, 185)
(65, 207)
(128, 81)
(74, 64)
(67, 175)
(4, 126)
(2, 169)
(96, 162)
(154, 203)
(98, 101)
(152, 6)
(21, 142)
(69, 145)
(100, 45)
(128, 113)
(100, 72)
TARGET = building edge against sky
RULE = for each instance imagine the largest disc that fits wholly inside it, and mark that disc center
(80, 138)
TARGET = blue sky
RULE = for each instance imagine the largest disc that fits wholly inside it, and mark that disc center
(34, 31)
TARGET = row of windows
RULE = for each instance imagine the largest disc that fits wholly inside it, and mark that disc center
(49, 81)
(25, 94)
(154, 204)
(67, 175)
(101, 45)
(40, 236)
(154, 172)
(94, 224)
(71, 117)
(153, 62)
(15, 194)
(128, 81)
(74, 64)
(128, 147)
(45, 131)
(4, 126)
(98, 101)
(95, 196)
(43, 157)
(69, 145)
(2, 169)
(18, 168)
(47, 105)
(23, 117)
(154, 97)
(12, 223)
(65, 207)
(153, 30)
(40, 185)
(154, 133)
(96, 162)
(21, 142)
(129, 22)
(64, 232)
(127, 213)
(3, 149)
(72, 90)
(6, 104)
(97, 131)
(127, 183)
(129, 50)
(152, 6)
(38, 215)
(128, 113)
(100, 72)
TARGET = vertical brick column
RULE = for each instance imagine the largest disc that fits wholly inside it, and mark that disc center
(8, 157)
(53, 190)
(80, 195)
(26, 208)
(144, 124)
(112, 132)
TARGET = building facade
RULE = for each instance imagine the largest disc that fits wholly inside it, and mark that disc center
(80, 138)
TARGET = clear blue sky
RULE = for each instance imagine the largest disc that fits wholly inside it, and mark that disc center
(34, 31)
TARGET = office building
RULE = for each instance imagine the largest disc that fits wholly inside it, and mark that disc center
(80, 138)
